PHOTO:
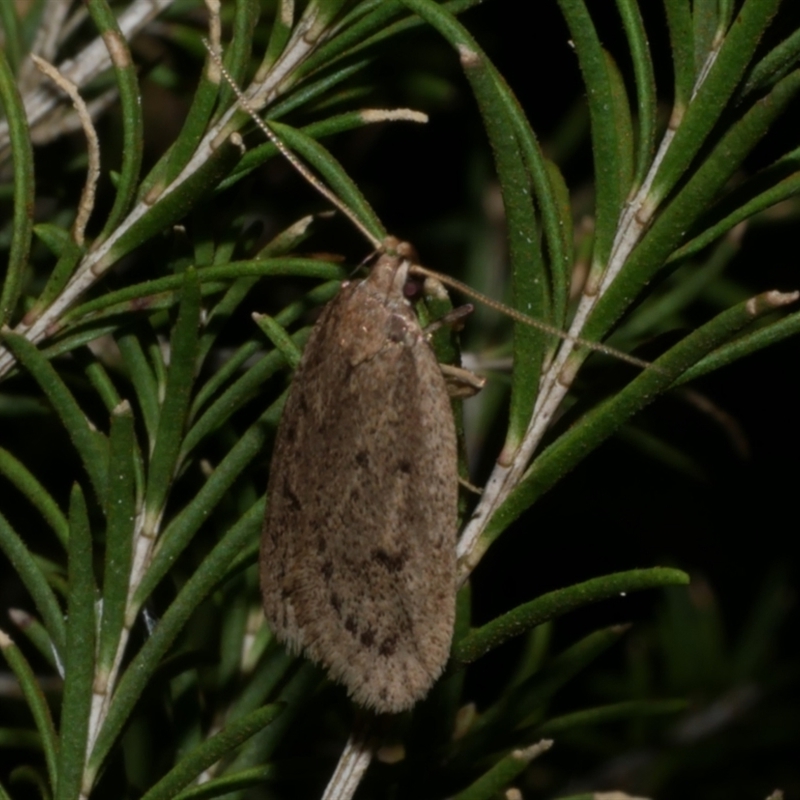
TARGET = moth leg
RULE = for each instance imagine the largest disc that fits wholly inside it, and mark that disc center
(453, 319)
(461, 382)
(470, 487)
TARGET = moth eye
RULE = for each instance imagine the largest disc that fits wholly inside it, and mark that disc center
(412, 289)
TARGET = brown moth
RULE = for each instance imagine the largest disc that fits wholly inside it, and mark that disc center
(358, 548)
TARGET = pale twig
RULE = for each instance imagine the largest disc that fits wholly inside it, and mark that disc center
(557, 379)
(616, 796)
(214, 35)
(508, 471)
(98, 261)
(63, 120)
(85, 66)
(533, 751)
(86, 203)
(353, 763)
(79, 16)
(45, 43)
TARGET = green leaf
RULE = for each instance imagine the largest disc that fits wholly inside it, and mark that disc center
(90, 444)
(185, 145)
(37, 635)
(69, 253)
(268, 676)
(368, 24)
(238, 51)
(599, 423)
(684, 209)
(141, 669)
(21, 477)
(120, 516)
(212, 750)
(333, 174)
(646, 95)
(11, 34)
(774, 66)
(294, 696)
(79, 655)
(101, 382)
(280, 33)
(280, 339)
(555, 604)
(681, 41)
(174, 408)
(235, 396)
(498, 721)
(131, 101)
(530, 292)
(163, 208)
(310, 91)
(709, 101)
(528, 274)
(634, 709)
(705, 27)
(143, 296)
(284, 242)
(36, 702)
(141, 375)
(606, 137)
(502, 773)
(185, 525)
(778, 182)
(22, 155)
(621, 112)
(34, 580)
(228, 783)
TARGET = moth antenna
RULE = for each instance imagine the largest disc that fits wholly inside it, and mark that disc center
(379, 245)
(518, 316)
(309, 176)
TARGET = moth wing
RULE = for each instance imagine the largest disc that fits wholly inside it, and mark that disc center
(358, 552)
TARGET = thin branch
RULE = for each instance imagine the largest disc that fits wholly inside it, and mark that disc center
(353, 763)
(45, 43)
(85, 66)
(92, 144)
(557, 380)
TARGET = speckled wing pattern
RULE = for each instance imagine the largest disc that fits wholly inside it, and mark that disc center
(358, 549)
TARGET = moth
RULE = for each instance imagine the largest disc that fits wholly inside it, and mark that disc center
(357, 555)
(358, 548)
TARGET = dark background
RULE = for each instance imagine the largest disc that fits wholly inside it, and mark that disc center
(733, 529)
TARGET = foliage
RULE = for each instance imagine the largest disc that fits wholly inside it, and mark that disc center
(141, 659)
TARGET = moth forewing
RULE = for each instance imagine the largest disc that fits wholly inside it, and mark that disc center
(358, 549)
